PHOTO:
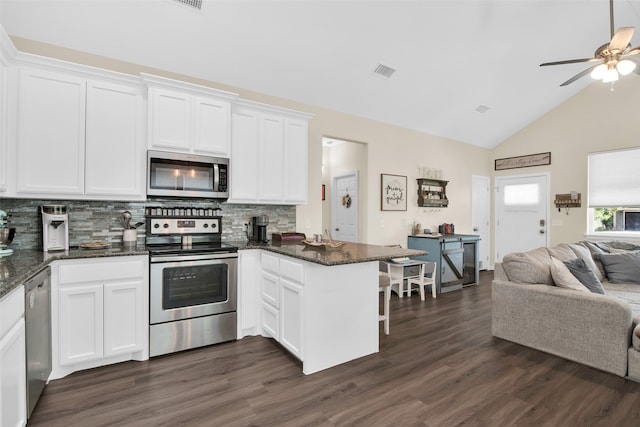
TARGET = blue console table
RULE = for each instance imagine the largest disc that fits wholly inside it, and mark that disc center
(456, 255)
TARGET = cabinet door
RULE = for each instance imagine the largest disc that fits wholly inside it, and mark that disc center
(248, 292)
(211, 126)
(244, 156)
(270, 289)
(295, 161)
(13, 388)
(123, 317)
(271, 149)
(170, 120)
(115, 141)
(291, 322)
(80, 328)
(50, 138)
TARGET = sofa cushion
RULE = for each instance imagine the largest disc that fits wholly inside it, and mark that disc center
(562, 252)
(530, 267)
(581, 271)
(621, 267)
(635, 338)
(563, 278)
(583, 253)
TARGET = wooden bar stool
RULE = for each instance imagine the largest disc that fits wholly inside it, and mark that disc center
(384, 284)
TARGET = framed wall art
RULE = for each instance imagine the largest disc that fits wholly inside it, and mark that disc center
(393, 192)
(539, 159)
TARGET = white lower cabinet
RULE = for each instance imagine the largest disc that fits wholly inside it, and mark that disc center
(13, 386)
(282, 301)
(99, 312)
(291, 317)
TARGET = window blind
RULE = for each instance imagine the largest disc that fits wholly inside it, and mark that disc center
(614, 178)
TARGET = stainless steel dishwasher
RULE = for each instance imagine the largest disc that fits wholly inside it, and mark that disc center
(37, 315)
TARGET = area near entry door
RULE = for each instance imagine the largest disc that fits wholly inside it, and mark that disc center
(345, 207)
(522, 213)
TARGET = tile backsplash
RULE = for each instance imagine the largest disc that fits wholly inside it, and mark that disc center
(102, 220)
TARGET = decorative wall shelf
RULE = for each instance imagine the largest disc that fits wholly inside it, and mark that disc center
(432, 193)
(569, 200)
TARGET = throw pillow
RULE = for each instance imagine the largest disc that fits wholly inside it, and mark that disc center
(621, 268)
(563, 278)
(530, 267)
(581, 271)
(595, 250)
(563, 252)
(583, 253)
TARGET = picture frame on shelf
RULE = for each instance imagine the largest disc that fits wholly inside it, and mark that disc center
(393, 192)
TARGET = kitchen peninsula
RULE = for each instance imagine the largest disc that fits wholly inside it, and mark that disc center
(320, 304)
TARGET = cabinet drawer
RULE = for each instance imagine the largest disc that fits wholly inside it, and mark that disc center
(99, 271)
(292, 270)
(270, 263)
(271, 289)
(271, 321)
(11, 310)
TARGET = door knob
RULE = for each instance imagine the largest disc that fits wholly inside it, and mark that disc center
(541, 231)
(337, 229)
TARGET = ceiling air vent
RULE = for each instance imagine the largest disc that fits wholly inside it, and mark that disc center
(196, 4)
(384, 71)
(481, 109)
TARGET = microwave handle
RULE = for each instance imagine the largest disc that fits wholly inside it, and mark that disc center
(216, 176)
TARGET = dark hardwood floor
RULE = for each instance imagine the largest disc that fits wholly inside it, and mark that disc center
(440, 366)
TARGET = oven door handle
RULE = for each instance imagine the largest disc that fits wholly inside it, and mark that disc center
(195, 257)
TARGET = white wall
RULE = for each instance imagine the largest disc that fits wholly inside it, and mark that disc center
(596, 119)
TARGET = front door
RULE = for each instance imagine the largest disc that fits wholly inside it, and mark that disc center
(345, 207)
(522, 213)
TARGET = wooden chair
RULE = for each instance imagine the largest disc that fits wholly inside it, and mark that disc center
(427, 277)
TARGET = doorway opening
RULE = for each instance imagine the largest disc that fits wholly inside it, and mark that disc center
(344, 170)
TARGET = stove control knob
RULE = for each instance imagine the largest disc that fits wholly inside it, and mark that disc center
(214, 225)
(205, 225)
(156, 225)
(166, 225)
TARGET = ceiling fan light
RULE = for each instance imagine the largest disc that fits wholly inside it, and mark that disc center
(611, 75)
(599, 72)
(625, 66)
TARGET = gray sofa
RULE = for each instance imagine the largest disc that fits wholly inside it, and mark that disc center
(598, 330)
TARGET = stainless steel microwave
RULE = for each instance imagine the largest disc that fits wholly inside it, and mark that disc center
(187, 175)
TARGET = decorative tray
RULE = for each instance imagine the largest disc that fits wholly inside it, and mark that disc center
(327, 245)
(94, 245)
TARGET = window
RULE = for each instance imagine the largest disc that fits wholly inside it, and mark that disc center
(614, 192)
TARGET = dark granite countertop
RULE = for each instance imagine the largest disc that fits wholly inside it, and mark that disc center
(349, 253)
(15, 269)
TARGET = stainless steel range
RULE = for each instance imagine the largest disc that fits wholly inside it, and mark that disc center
(193, 280)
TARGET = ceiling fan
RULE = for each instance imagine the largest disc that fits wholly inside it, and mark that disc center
(613, 58)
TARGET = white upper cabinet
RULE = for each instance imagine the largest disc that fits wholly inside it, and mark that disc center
(268, 155)
(50, 133)
(115, 131)
(188, 118)
(4, 88)
(74, 132)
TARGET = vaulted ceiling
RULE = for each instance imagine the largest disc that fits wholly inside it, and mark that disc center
(452, 58)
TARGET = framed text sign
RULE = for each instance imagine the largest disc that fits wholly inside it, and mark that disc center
(393, 194)
(539, 159)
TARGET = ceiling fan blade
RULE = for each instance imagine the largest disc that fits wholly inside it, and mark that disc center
(634, 51)
(570, 61)
(621, 39)
(580, 74)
